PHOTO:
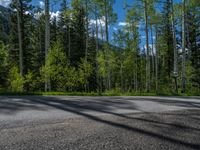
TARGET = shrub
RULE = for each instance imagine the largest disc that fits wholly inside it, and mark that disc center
(15, 80)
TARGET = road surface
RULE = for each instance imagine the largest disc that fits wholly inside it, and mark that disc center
(99, 123)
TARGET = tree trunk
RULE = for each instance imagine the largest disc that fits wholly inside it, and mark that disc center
(136, 73)
(86, 25)
(121, 76)
(86, 40)
(175, 49)
(97, 50)
(47, 40)
(69, 43)
(156, 60)
(152, 57)
(183, 48)
(106, 21)
(102, 33)
(102, 80)
(108, 82)
(20, 33)
(147, 47)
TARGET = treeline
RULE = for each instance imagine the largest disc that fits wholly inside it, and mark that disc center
(157, 49)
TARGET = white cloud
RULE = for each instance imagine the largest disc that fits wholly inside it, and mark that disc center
(122, 23)
(5, 2)
(27, 12)
(55, 14)
(100, 22)
(41, 3)
(101, 25)
(52, 14)
(38, 14)
(150, 48)
(144, 37)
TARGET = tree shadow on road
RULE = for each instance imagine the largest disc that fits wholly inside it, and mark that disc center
(159, 126)
(10, 106)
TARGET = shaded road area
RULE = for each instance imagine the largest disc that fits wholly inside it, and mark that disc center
(112, 123)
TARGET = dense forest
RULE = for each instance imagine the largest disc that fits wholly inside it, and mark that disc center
(156, 51)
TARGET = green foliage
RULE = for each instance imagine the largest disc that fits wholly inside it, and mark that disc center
(4, 63)
(16, 82)
(56, 67)
(85, 71)
(3, 56)
(60, 73)
(72, 78)
(106, 8)
(101, 64)
(30, 83)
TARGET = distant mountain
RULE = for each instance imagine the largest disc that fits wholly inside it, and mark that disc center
(5, 9)
(4, 22)
(4, 13)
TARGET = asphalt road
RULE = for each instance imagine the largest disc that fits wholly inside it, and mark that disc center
(99, 123)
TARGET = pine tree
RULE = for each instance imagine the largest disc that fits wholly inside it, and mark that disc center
(192, 24)
(21, 22)
(13, 38)
(165, 45)
(78, 33)
(64, 27)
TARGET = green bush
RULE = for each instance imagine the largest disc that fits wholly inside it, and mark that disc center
(30, 82)
(15, 80)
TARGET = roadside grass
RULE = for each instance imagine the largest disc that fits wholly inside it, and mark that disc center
(106, 93)
(50, 93)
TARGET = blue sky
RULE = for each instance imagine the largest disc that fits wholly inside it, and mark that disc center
(118, 8)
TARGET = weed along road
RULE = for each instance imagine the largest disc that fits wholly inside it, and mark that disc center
(99, 123)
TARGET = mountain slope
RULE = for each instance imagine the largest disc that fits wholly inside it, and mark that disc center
(4, 22)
